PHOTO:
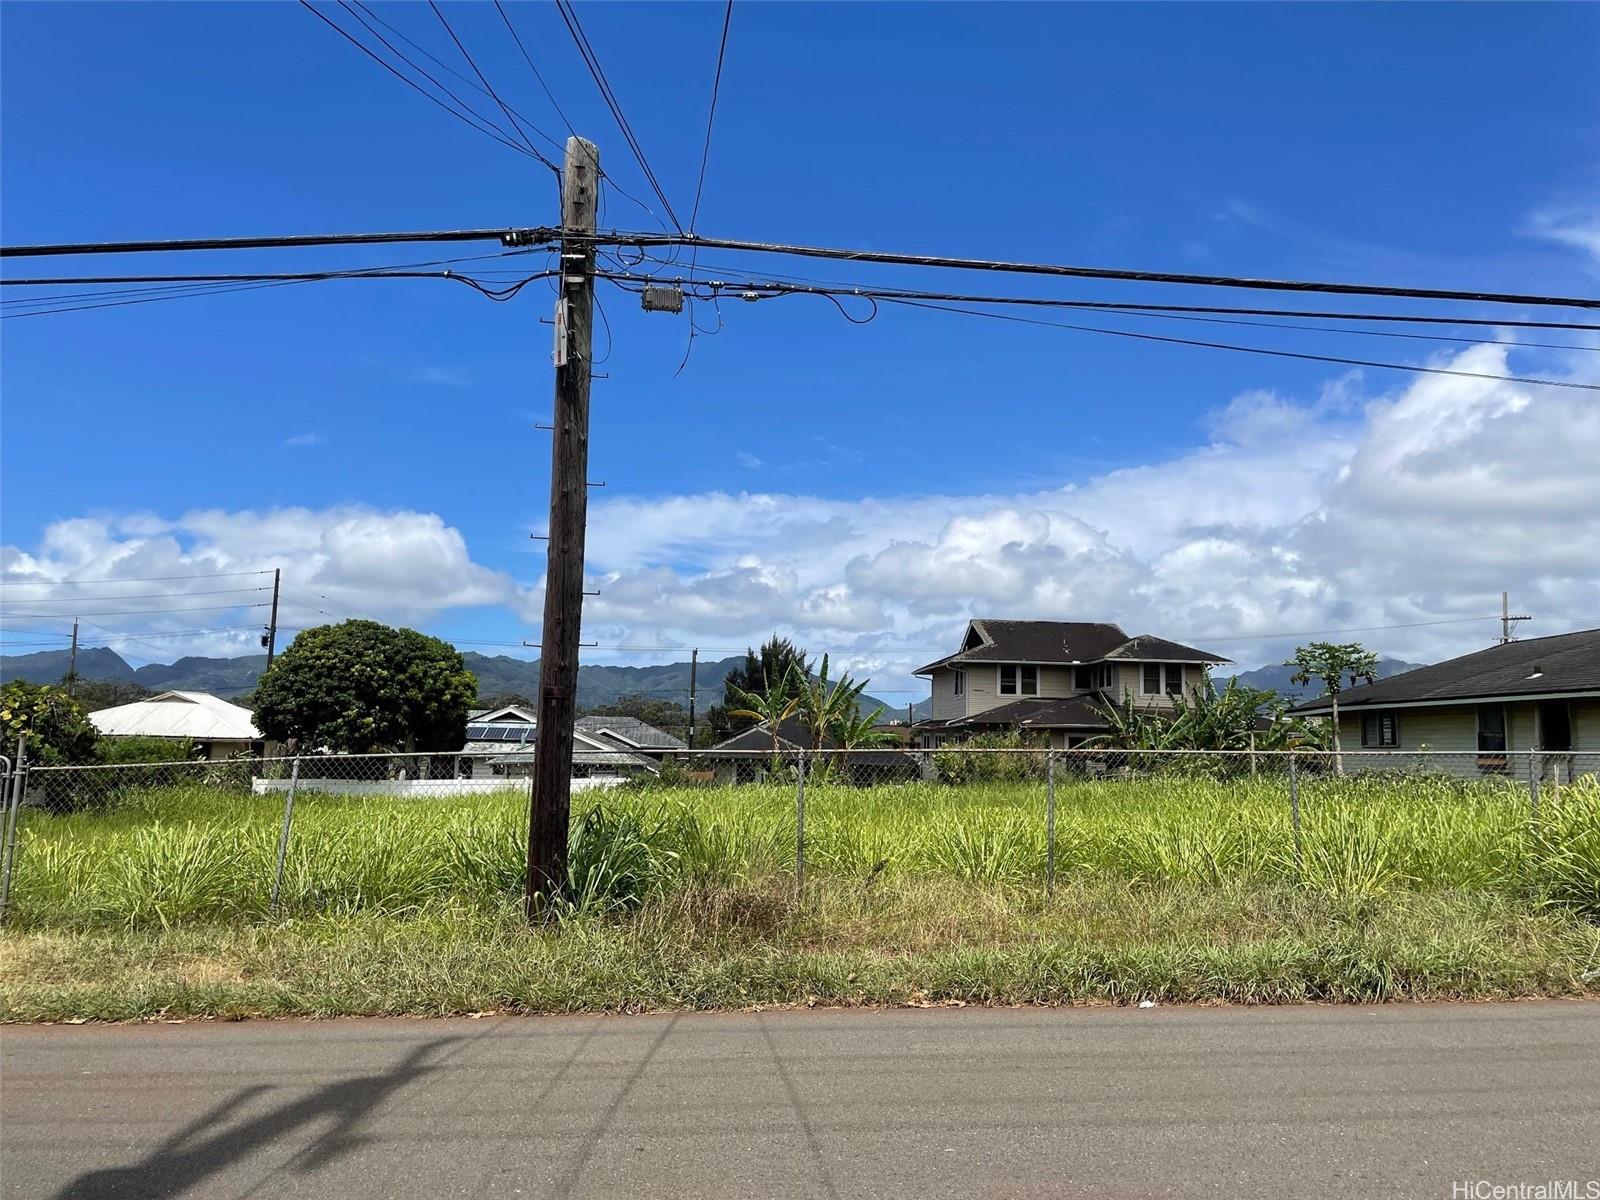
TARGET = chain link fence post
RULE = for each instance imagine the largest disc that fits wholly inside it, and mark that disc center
(14, 775)
(283, 837)
(800, 823)
(1050, 821)
(1534, 768)
(1294, 814)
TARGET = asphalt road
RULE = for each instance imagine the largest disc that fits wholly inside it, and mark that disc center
(1404, 1100)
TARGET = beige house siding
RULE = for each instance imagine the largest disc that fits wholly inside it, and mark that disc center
(947, 706)
(1586, 726)
(1453, 731)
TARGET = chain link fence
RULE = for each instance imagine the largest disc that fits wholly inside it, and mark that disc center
(249, 838)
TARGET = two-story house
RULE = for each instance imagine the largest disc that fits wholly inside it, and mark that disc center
(1053, 677)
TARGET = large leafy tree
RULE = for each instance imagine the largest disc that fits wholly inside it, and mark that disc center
(1331, 663)
(54, 724)
(360, 687)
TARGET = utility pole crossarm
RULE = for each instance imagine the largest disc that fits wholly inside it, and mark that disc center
(551, 793)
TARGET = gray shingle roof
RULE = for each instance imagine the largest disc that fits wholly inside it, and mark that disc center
(632, 729)
(1565, 663)
(1071, 712)
(1065, 642)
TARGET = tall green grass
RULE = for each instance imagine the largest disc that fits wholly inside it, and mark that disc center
(163, 858)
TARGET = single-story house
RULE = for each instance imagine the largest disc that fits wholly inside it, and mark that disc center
(501, 741)
(216, 728)
(1053, 678)
(746, 757)
(632, 734)
(1541, 694)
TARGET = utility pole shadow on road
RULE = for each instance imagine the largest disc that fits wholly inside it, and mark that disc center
(205, 1147)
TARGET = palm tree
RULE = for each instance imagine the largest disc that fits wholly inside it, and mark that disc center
(778, 700)
(824, 708)
(858, 731)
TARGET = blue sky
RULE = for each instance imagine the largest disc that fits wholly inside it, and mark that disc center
(375, 438)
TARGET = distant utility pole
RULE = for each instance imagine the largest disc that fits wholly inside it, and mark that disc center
(1508, 619)
(694, 671)
(271, 640)
(550, 798)
(72, 660)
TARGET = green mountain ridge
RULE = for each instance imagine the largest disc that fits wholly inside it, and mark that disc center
(234, 678)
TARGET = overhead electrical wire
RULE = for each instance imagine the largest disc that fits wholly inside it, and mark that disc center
(611, 183)
(591, 60)
(148, 578)
(154, 295)
(754, 290)
(401, 34)
(463, 112)
(506, 236)
(844, 287)
(909, 299)
(134, 612)
(700, 182)
(489, 87)
(140, 596)
(1078, 272)
(1296, 354)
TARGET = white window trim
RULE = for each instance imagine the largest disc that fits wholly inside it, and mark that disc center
(999, 675)
(1144, 679)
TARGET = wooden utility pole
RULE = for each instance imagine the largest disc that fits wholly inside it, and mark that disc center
(694, 671)
(550, 797)
(1507, 618)
(72, 660)
(272, 621)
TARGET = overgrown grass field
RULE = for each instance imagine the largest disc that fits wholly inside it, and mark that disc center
(1168, 887)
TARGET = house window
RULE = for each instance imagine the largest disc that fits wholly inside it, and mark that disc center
(1087, 679)
(1491, 729)
(1161, 679)
(1019, 680)
(959, 682)
(1380, 729)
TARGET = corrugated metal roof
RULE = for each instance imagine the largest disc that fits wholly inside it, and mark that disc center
(197, 715)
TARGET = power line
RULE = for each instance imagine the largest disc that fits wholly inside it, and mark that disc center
(493, 95)
(753, 290)
(365, 9)
(142, 596)
(711, 116)
(150, 578)
(1296, 354)
(135, 612)
(592, 61)
(539, 235)
(843, 287)
(158, 294)
(464, 112)
(1077, 272)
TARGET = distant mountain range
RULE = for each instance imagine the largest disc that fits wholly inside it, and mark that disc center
(233, 678)
(1276, 679)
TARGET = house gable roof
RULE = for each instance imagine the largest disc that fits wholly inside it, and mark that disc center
(792, 735)
(1562, 664)
(988, 640)
(197, 715)
(632, 732)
